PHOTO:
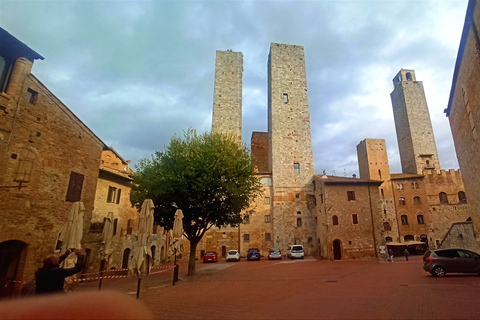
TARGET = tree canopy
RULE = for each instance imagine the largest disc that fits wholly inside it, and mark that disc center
(209, 176)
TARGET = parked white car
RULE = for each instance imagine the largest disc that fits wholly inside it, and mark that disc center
(295, 251)
(233, 255)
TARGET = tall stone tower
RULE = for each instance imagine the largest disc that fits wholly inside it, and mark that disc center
(227, 95)
(416, 141)
(373, 165)
(290, 147)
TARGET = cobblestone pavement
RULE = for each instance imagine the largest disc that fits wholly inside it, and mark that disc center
(306, 289)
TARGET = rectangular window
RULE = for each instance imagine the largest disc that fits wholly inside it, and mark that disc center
(285, 97)
(296, 168)
(351, 195)
(299, 222)
(246, 238)
(31, 96)
(6, 67)
(118, 196)
(268, 237)
(112, 193)
(24, 171)
(75, 186)
(129, 226)
(420, 219)
(355, 218)
(267, 200)
(115, 224)
(268, 219)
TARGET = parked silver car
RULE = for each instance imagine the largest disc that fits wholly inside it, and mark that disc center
(439, 262)
(275, 254)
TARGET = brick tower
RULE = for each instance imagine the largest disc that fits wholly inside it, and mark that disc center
(290, 147)
(416, 141)
(227, 95)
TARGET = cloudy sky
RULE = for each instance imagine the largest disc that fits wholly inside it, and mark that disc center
(139, 72)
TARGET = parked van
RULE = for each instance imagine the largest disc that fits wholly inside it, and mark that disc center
(295, 251)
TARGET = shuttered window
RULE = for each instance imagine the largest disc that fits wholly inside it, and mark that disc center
(75, 186)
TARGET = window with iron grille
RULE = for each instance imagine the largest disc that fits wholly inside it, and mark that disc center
(268, 237)
(246, 238)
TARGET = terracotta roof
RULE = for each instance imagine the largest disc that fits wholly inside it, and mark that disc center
(335, 179)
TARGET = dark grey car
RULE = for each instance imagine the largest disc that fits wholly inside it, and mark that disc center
(439, 262)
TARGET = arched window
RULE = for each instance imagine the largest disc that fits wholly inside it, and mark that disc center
(404, 219)
(399, 186)
(401, 201)
(461, 197)
(335, 220)
(414, 185)
(388, 239)
(387, 227)
(420, 219)
(409, 76)
(417, 200)
(443, 198)
(409, 238)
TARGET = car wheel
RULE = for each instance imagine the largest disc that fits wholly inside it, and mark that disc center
(438, 271)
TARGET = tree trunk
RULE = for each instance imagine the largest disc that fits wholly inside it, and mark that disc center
(191, 261)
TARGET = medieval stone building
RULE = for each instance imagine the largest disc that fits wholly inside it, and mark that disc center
(337, 217)
(463, 108)
(49, 160)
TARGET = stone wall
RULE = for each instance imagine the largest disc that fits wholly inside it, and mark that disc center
(259, 146)
(290, 150)
(227, 95)
(463, 110)
(416, 141)
(43, 131)
(461, 235)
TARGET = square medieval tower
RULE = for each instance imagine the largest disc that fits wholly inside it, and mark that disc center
(290, 147)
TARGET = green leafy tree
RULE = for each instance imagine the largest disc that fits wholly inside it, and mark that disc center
(208, 176)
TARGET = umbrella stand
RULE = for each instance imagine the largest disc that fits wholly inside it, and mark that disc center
(175, 268)
(138, 286)
(102, 266)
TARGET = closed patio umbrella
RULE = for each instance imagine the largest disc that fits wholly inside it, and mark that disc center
(72, 232)
(177, 232)
(142, 252)
(107, 236)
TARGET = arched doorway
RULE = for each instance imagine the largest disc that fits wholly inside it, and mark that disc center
(337, 249)
(126, 257)
(11, 254)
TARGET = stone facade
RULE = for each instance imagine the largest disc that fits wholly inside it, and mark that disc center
(290, 149)
(49, 160)
(463, 108)
(416, 141)
(227, 95)
(349, 212)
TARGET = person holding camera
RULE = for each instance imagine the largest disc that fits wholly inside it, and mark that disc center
(50, 278)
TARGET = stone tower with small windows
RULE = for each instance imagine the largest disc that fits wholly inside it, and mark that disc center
(290, 148)
(416, 141)
(227, 95)
(373, 165)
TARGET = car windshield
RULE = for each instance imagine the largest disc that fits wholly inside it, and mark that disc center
(297, 248)
(275, 251)
(232, 252)
(210, 253)
(253, 250)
